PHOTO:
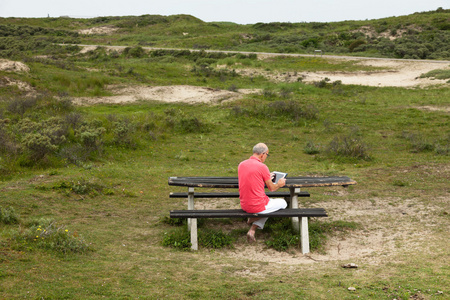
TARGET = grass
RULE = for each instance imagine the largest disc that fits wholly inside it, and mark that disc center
(116, 198)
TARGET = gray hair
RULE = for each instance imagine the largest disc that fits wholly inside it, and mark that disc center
(260, 148)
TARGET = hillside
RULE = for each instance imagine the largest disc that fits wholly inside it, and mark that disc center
(423, 35)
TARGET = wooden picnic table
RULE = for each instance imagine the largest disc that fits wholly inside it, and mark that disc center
(294, 184)
(232, 182)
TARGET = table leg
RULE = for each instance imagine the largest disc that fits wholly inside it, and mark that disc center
(190, 204)
(294, 204)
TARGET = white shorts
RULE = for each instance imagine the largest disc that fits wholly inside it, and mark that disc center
(273, 205)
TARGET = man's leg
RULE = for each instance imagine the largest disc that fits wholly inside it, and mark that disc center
(251, 234)
(273, 205)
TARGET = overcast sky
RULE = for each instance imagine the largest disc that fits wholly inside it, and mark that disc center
(238, 11)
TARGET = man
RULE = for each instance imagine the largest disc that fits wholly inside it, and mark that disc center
(253, 174)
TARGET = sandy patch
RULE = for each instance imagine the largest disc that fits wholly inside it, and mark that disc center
(21, 85)
(411, 225)
(179, 93)
(13, 66)
(99, 30)
(434, 108)
(398, 73)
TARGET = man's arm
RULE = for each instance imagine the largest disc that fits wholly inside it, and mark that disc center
(275, 186)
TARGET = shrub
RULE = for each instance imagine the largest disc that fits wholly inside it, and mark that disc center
(356, 44)
(47, 234)
(74, 153)
(21, 105)
(291, 110)
(39, 145)
(351, 146)
(79, 187)
(8, 215)
(91, 136)
(311, 148)
(41, 138)
(123, 134)
(418, 142)
(7, 142)
(135, 52)
(208, 238)
(191, 124)
(179, 239)
(215, 239)
(283, 237)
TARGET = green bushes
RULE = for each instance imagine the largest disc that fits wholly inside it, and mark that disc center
(43, 234)
(280, 235)
(45, 132)
(286, 110)
(283, 237)
(8, 216)
(419, 143)
(207, 238)
(46, 234)
(349, 146)
(342, 146)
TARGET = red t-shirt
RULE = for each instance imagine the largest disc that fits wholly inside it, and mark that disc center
(252, 174)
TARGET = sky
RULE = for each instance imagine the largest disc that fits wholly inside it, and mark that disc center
(237, 11)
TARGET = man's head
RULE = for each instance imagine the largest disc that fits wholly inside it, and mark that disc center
(261, 151)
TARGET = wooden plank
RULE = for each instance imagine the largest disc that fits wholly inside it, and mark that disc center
(234, 195)
(232, 182)
(239, 213)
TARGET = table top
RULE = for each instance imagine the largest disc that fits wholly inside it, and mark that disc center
(232, 182)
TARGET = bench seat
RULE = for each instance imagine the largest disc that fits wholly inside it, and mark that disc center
(303, 213)
(239, 213)
(234, 195)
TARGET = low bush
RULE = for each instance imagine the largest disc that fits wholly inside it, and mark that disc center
(288, 110)
(419, 143)
(207, 238)
(8, 216)
(350, 146)
(48, 235)
(311, 148)
(79, 187)
(283, 236)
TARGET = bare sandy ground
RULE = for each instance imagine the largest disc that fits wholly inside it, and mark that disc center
(410, 230)
(398, 73)
(178, 93)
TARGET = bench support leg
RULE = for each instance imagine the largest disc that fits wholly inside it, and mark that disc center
(190, 204)
(194, 238)
(304, 238)
(192, 223)
(294, 204)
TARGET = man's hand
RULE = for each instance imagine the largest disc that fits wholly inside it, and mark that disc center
(272, 176)
(275, 186)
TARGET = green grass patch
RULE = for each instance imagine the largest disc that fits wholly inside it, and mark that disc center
(437, 74)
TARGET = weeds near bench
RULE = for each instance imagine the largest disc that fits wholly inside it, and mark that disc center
(180, 238)
(283, 237)
(41, 234)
